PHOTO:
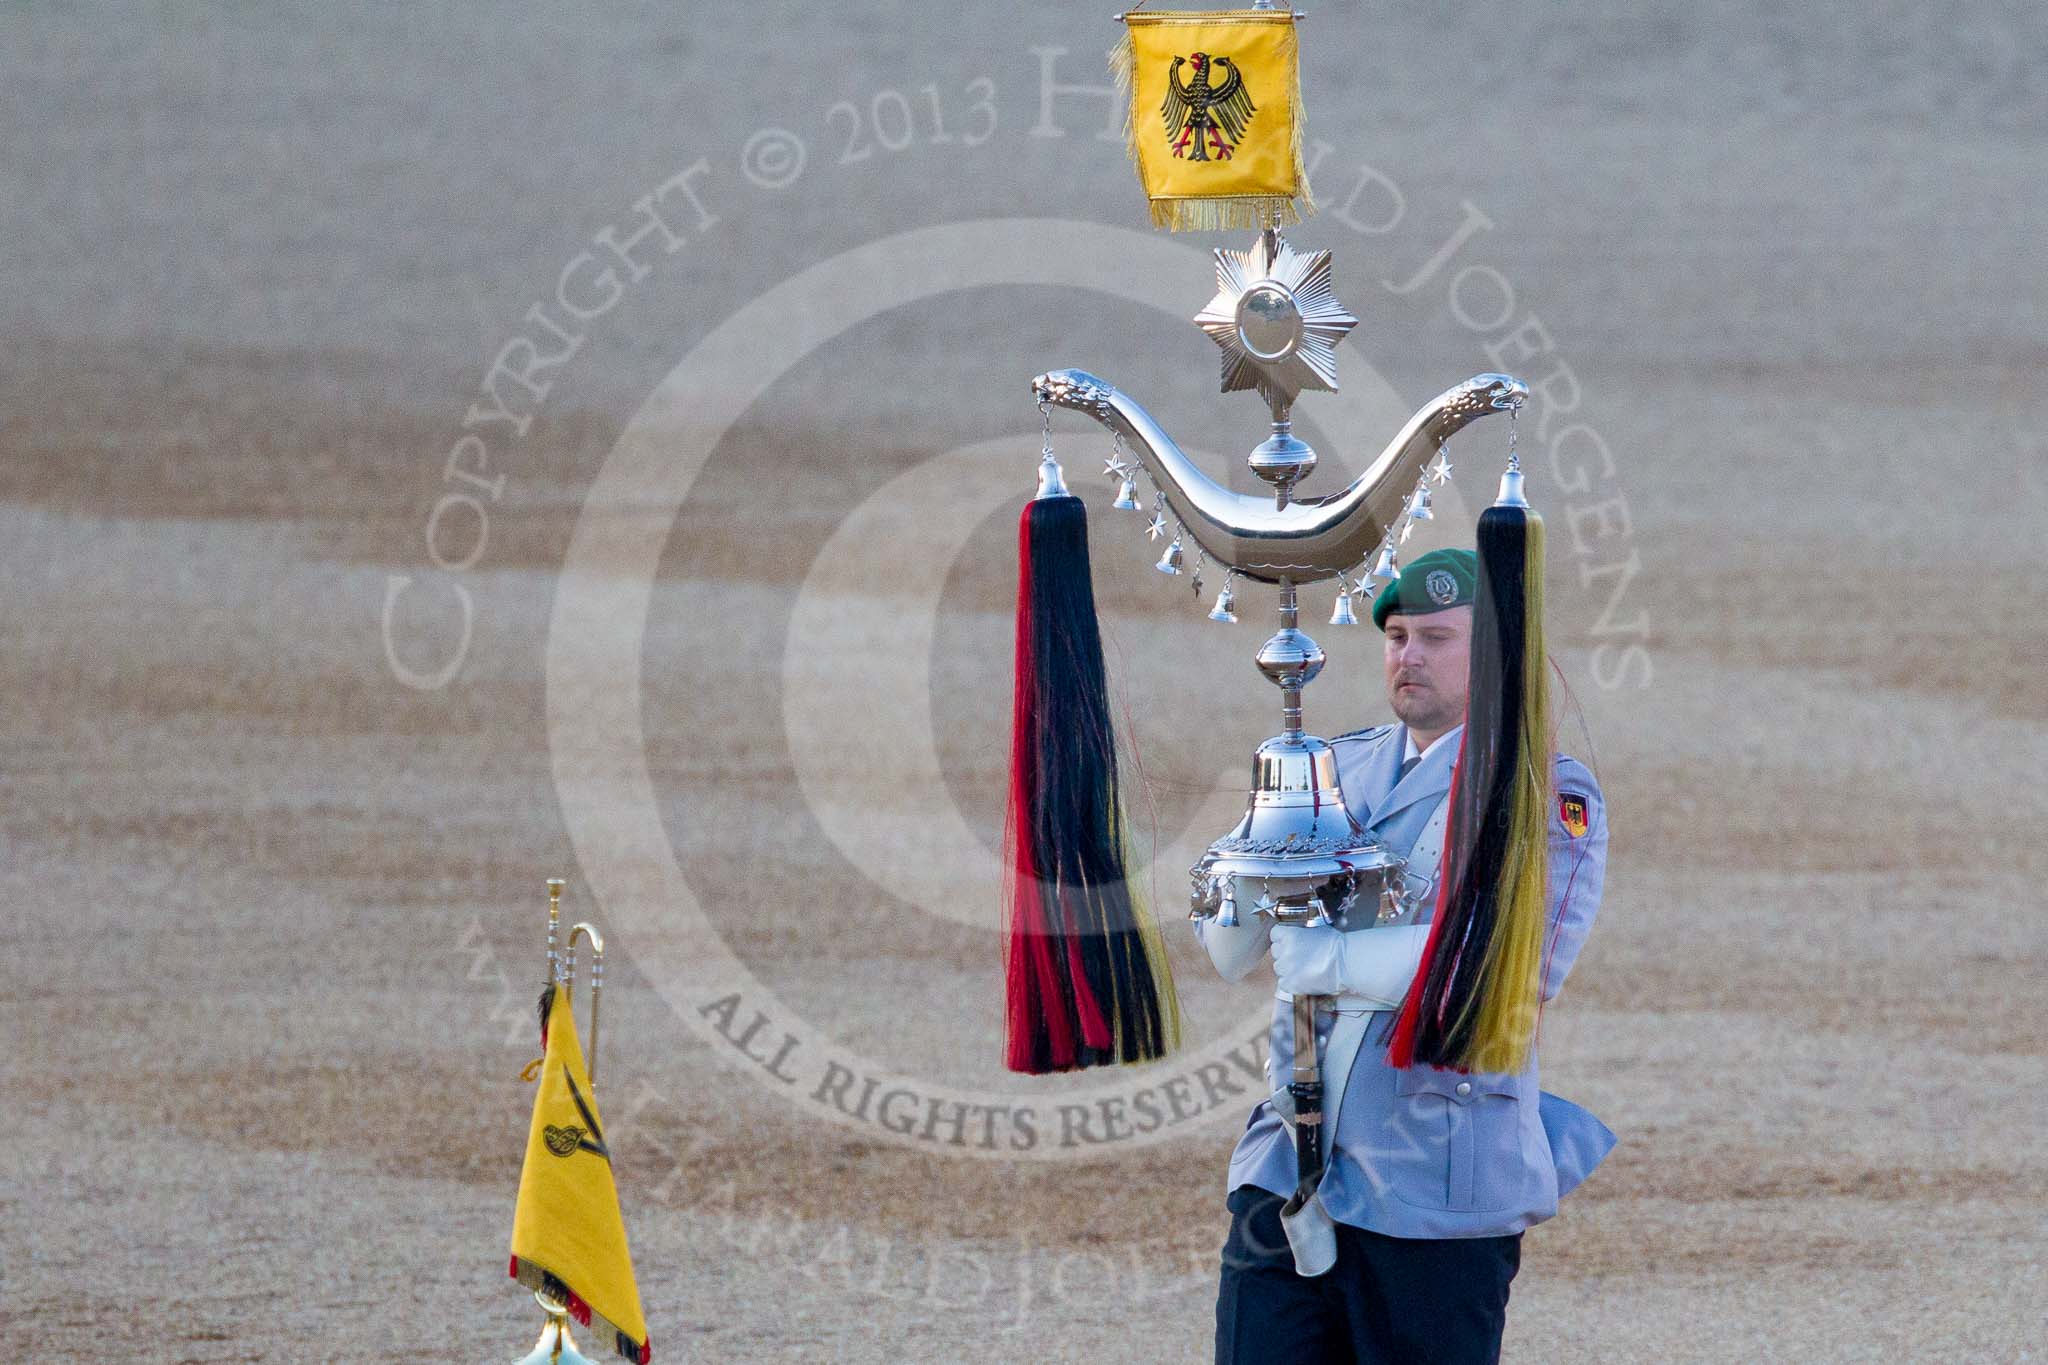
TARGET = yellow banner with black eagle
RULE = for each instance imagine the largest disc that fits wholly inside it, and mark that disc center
(1214, 123)
(568, 1240)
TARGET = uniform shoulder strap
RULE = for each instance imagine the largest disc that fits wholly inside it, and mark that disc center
(1370, 732)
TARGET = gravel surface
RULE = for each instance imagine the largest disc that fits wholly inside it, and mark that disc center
(274, 920)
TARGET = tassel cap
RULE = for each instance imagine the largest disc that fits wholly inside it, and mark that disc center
(1051, 483)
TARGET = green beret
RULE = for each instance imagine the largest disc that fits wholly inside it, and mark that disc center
(1436, 581)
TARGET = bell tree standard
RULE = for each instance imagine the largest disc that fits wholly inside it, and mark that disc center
(1087, 984)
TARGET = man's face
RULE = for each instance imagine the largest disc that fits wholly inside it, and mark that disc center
(1427, 658)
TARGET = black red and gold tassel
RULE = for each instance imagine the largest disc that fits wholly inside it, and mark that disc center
(1086, 975)
(1477, 994)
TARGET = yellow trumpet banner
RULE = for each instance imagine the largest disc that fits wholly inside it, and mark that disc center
(567, 1236)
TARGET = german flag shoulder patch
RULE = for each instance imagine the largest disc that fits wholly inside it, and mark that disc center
(1571, 808)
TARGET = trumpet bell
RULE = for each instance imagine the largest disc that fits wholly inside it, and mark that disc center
(556, 1346)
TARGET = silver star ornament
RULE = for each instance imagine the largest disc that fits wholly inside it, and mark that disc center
(1277, 318)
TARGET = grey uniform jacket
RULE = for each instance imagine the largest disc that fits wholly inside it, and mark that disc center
(1422, 1152)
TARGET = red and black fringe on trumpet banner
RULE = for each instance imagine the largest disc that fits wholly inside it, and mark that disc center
(1085, 973)
(548, 1283)
(1474, 1001)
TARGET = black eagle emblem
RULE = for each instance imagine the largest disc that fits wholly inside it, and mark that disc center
(1205, 122)
(568, 1139)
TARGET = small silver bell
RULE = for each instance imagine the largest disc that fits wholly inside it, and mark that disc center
(1226, 915)
(1390, 908)
(1511, 489)
(1127, 496)
(1343, 615)
(1387, 570)
(1224, 608)
(1170, 561)
(1419, 509)
(1051, 484)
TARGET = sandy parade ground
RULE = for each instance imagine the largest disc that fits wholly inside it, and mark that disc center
(306, 696)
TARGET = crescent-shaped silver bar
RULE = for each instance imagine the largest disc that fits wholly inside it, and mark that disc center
(1310, 539)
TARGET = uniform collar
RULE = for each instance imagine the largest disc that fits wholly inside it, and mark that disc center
(1431, 777)
(1409, 746)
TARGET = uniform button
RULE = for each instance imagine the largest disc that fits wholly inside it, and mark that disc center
(1464, 1087)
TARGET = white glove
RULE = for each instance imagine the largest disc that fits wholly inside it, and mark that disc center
(1235, 951)
(1377, 964)
(1309, 961)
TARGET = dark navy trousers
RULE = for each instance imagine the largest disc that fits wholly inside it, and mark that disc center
(1387, 1301)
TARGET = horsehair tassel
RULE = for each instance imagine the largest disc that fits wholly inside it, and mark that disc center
(1038, 1036)
(1477, 994)
(1086, 978)
(1510, 994)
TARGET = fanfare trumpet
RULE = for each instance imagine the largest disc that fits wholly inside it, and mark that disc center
(561, 967)
(556, 1346)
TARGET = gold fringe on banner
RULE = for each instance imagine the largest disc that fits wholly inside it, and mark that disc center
(1255, 178)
